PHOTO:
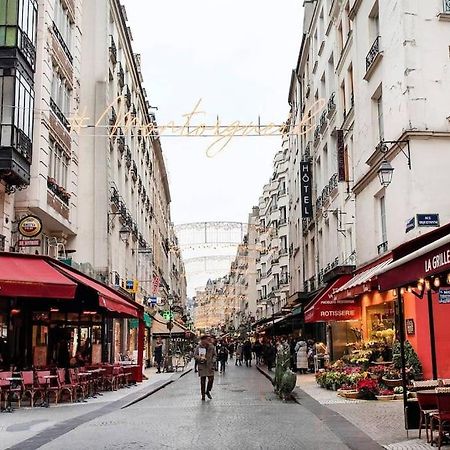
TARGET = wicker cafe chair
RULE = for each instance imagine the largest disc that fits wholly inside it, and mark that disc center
(77, 387)
(46, 385)
(442, 417)
(4, 387)
(30, 387)
(109, 378)
(63, 386)
(425, 385)
(428, 407)
(9, 389)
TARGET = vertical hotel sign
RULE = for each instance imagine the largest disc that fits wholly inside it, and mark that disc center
(306, 189)
(341, 155)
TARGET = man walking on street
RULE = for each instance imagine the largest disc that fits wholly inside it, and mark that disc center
(247, 350)
(205, 355)
(158, 353)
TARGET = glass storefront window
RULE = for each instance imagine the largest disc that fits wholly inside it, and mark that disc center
(381, 322)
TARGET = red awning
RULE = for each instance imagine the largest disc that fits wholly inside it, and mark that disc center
(364, 281)
(34, 277)
(325, 308)
(107, 298)
(431, 260)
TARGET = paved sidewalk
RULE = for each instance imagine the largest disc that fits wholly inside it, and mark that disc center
(382, 421)
(26, 423)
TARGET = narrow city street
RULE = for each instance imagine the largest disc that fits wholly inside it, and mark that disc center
(244, 413)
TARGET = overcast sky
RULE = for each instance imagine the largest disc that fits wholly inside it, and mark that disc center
(237, 57)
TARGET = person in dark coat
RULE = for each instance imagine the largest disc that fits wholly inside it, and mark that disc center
(158, 353)
(247, 350)
(222, 357)
(205, 355)
(271, 355)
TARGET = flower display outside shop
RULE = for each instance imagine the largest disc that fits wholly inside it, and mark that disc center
(358, 376)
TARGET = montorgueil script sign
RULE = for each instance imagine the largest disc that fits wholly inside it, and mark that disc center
(222, 134)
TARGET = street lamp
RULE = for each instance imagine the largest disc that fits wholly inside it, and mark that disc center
(385, 173)
(124, 233)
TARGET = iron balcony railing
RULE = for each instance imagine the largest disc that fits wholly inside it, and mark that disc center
(112, 50)
(59, 114)
(383, 247)
(62, 42)
(373, 53)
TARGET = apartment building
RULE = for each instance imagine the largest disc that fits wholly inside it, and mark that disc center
(272, 265)
(177, 283)
(367, 119)
(241, 289)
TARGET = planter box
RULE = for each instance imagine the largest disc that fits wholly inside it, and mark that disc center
(392, 383)
(385, 398)
(348, 394)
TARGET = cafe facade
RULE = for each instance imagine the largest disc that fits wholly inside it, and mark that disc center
(52, 314)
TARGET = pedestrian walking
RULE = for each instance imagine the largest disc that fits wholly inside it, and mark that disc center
(301, 349)
(158, 354)
(247, 351)
(271, 355)
(238, 361)
(205, 355)
(257, 350)
(231, 348)
(222, 357)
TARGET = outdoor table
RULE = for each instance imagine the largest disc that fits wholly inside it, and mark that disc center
(12, 380)
(134, 370)
(48, 380)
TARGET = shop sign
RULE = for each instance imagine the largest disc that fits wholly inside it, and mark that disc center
(437, 261)
(444, 296)
(341, 155)
(29, 243)
(167, 315)
(132, 286)
(428, 220)
(306, 189)
(410, 224)
(30, 226)
(410, 327)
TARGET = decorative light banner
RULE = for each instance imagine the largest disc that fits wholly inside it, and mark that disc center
(306, 189)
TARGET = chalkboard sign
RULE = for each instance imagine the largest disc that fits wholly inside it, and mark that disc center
(410, 327)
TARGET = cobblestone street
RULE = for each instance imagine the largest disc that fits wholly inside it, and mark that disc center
(243, 412)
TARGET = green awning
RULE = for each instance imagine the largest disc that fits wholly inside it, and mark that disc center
(134, 323)
(147, 320)
(298, 310)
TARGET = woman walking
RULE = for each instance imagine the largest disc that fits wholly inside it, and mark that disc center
(205, 355)
(301, 349)
(238, 360)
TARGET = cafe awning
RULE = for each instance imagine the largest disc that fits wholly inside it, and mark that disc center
(159, 327)
(32, 276)
(432, 259)
(325, 308)
(362, 282)
(107, 297)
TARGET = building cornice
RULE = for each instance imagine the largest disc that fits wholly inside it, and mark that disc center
(377, 156)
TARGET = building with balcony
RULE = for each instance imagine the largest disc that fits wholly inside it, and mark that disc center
(18, 42)
(367, 118)
(272, 264)
(53, 195)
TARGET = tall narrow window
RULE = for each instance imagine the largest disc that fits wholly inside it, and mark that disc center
(380, 117)
(383, 219)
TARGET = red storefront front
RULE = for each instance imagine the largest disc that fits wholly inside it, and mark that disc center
(422, 279)
(50, 311)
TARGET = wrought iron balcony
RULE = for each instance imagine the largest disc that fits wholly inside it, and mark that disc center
(383, 247)
(62, 43)
(127, 96)
(112, 50)
(323, 121)
(59, 114)
(128, 157)
(331, 107)
(373, 53)
(121, 76)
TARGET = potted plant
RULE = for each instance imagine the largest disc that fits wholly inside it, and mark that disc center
(392, 378)
(367, 389)
(377, 372)
(398, 391)
(385, 395)
(412, 362)
(348, 391)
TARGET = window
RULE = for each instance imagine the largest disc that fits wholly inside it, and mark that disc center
(380, 119)
(63, 23)
(58, 168)
(283, 244)
(60, 93)
(383, 219)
